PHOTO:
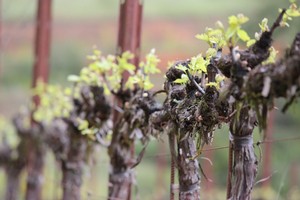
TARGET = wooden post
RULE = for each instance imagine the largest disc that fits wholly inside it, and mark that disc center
(40, 72)
(1, 48)
(42, 42)
(267, 154)
(208, 170)
(129, 37)
(161, 170)
(294, 175)
(229, 170)
(130, 25)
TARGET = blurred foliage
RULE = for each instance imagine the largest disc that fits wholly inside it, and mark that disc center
(8, 133)
(107, 71)
(55, 102)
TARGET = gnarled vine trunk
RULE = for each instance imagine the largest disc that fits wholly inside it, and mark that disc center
(188, 169)
(131, 125)
(244, 169)
(72, 167)
(35, 171)
(129, 36)
(120, 176)
(13, 180)
(13, 164)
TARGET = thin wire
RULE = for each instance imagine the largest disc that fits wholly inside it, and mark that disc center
(106, 161)
(93, 195)
(216, 148)
(226, 147)
(172, 174)
(281, 139)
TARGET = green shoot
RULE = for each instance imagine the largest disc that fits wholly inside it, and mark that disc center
(55, 102)
(272, 57)
(107, 72)
(291, 12)
(7, 133)
(141, 78)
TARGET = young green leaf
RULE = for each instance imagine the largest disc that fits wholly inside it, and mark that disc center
(183, 80)
(131, 81)
(250, 42)
(264, 25)
(272, 56)
(219, 78)
(213, 84)
(243, 35)
(147, 85)
(82, 124)
(73, 78)
(181, 67)
(211, 52)
(198, 64)
(150, 67)
(291, 12)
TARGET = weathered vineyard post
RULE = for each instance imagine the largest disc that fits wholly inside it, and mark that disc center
(40, 72)
(130, 27)
(267, 161)
(129, 36)
(208, 184)
(42, 42)
(1, 47)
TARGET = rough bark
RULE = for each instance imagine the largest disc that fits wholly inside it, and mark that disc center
(244, 160)
(120, 176)
(13, 181)
(35, 169)
(72, 167)
(121, 159)
(120, 184)
(13, 167)
(129, 36)
(70, 146)
(195, 113)
(183, 118)
(131, 125)
(283, 76)
(254, 55)
(244, 170)
(188, 169)
(244, 164)
(263, 84)
(14, 160)
(120, 181)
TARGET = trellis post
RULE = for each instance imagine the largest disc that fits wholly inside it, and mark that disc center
(40, 72)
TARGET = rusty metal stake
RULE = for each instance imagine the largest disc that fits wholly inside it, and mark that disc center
(1, 47)
(229, 174)
(129, 39)
(130, 26)
(267, 155)
(42, 42)
(40, 72)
